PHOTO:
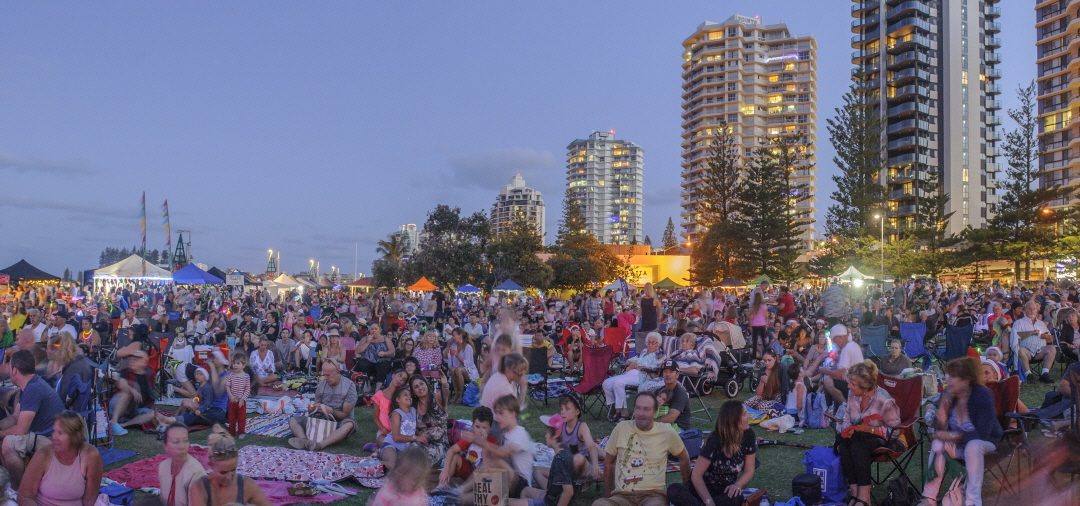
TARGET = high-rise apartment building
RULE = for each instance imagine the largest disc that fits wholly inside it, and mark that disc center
(1058, 92)
(605, 178)
(411, 236)
(516, 200)
(929, 68)
(758, 80)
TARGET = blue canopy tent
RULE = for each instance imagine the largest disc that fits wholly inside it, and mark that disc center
(468, 289)
(191, 274)
(509, 286)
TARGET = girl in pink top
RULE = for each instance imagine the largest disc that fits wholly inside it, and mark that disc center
(405, 484)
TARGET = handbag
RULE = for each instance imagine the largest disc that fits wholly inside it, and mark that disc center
(318, 427)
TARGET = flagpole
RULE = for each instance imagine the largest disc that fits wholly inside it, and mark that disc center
(168, 233)
(142, 227)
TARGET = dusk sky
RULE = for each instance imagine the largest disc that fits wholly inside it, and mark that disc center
(308, 127)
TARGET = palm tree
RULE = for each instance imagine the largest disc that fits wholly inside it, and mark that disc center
(392, 249)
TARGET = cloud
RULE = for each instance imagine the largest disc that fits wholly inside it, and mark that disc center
(491, 170)
(13, 164)
(78, 210)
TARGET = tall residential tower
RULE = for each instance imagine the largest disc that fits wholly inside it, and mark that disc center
(1058, 92)
(930, 69)
(517, 200)
(604, 176)
(760, 81)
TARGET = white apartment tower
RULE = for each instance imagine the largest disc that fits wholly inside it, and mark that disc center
(1059, 94)
(604, 176)
(515, 200)
(761, 82)
(411, 235)
(930, 66)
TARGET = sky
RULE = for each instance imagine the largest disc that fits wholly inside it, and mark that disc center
(318, 128)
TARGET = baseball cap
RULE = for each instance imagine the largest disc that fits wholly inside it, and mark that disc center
(669, 364)
(838, 330)
(555, 421)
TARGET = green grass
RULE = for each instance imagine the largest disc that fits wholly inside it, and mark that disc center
(777, 464)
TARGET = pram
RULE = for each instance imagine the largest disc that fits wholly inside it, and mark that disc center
(735, 369)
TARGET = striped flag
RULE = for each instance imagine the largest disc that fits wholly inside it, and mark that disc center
(168, 227)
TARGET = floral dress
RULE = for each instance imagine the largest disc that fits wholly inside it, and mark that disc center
(432, 425)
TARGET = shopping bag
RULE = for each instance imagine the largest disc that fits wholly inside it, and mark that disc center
(492, 486)
(318, 428)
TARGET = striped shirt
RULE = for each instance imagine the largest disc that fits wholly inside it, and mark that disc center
(239, 386)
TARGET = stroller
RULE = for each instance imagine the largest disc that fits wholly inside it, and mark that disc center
(735, 369)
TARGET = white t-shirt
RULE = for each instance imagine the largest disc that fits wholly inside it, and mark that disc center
(850, 355)
(519, 441)
(53, 331)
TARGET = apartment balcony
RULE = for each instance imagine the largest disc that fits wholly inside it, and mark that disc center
(993, 74)
(993, 89)
(1047, 14)
(902, 211)
(865, 37)
(916, 23)
(910, 42)
(908, 8)
(863, 6)
(907, 143)
(908, 158)
(908, 194)
(859, 25)
(902, 176)
(992, 42)
(993, 119)
(901, 77)
(863, 71)
(908, 58)
(992, 57)
(993, 27)
(993, 12)
(907, 126)
(993, 136)
(908, 109)
(993, 105)
(910, 90)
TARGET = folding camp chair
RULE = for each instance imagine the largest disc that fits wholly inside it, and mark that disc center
(873, 341)
(615, 337)
(1006, 394)
(908, 396)
(914, 337)
(698, 386)
(957, 341)
(596, 362)
(538, 365)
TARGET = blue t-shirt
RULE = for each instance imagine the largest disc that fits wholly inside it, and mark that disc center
(208, 398)
(44, 402)
(315, 311)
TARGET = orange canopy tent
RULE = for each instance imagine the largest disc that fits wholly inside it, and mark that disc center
(422, 285)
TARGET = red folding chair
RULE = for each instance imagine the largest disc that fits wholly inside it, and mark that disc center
(1006, 395)
(615, 338)
(596, 360)
(908, 396)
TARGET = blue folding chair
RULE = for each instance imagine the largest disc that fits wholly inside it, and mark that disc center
(913, 334)
(957, 341)
(873, 341)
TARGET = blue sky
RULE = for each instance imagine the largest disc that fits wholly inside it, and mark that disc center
(310, 127)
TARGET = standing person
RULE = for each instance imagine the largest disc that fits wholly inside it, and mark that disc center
(650, 309)
(785, 304)
(725, 465)
(238, 386)
(39, 405)
(180, 469)
(871, 411)
(223, 485)
(65, 473)
(759, 321)
(967, 426)
(636, 457)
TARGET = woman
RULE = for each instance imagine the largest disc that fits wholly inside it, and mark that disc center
(384, 404)
(767, 394)
(223, 485)
(687, 357)
(373, 355)
(642, 371)
(725, 465)
(871, 411)
(67, 368)
(89, 338)
(431, 359)
(967, 428)
(333, 351)
(507, 381)
(248, 343)
(180, 469)
(67, 473)
(650, 309)
(261, 362)
(430, 420)
(7, 336)
(1070, 335)
(758, 321)
(461, 362)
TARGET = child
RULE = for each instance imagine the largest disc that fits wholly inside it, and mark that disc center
(238, 385)
(662, 408)
(576, 437)
(560, 484)
(516, 452)
(466, 455)
(402, 428)
(405, 483)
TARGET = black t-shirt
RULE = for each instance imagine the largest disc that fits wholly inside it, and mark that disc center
(724, 470)
(440, 301)
(562, 473)
(679, 399)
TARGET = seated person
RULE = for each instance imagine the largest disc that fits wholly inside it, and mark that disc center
(767, 395)
(180, 469)
(896, 361)
(516, 452)
(726, 463)
(335, 398)
(405, 484)
(636, 457)
(871, 412)
(180, 362)
(262, 363)
(558, 488)
(641, 371)
(30, 429)
(688, 359)
(1037, 346)
(209, 406)
(465, 456)
(677, 398)
(223, 485)
(283, 350)
(68, 471)
(132, 402)
(68, 370)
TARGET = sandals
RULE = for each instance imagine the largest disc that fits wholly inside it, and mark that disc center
(302, 489)
(330, 487)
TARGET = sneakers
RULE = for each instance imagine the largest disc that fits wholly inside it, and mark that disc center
(117, 430)
(1045, 378)
(301, 443)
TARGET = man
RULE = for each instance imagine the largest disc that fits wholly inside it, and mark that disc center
(850, 354)
(1034, 342)
(59, 325)
(335, 398)
(678, 399)
(283, 349)
(636, 456)
(31, 426)
(474, 328)
(37, 325)
(785, 303)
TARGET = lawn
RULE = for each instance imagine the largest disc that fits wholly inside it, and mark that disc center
(777, 464)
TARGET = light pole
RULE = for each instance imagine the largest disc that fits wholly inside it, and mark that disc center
(882, 220)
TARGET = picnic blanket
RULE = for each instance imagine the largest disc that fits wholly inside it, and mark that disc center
(294, 465)
(143, 473)
(110, 456)
(270, 425)
(270, 391)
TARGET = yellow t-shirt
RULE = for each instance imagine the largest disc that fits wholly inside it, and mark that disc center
(641, 456)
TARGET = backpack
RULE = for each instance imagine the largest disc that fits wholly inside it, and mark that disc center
(898, 492)
(471, 396)
(823, 462)
(813, 415)
(807, 488)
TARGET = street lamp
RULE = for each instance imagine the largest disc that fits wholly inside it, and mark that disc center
(882, 220)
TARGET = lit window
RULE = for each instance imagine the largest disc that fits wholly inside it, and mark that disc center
(774, 78)
(775, 99)
(747, 110)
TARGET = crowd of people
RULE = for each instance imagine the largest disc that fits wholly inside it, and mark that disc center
(411, 356)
